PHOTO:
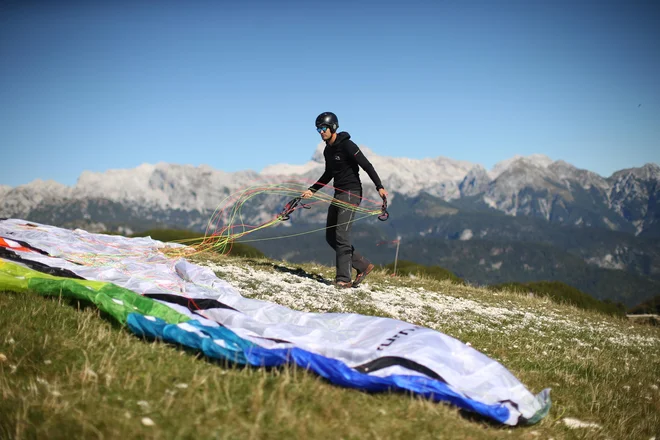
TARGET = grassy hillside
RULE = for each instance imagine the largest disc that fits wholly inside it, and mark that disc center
(66, 371)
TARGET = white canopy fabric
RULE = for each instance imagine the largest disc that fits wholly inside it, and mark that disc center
(372, 346)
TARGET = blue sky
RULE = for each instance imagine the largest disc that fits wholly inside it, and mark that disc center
(92, 85)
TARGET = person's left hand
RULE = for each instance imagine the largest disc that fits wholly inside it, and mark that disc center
(383, 193)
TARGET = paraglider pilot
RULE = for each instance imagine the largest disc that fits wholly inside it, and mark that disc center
(343, 160)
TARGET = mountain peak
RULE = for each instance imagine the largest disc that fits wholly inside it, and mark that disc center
(649, 171)
(285, 169)
(537, 160)
(39, 185)
(4, 189)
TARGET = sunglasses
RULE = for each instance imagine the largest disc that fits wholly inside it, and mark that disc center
(322, 129)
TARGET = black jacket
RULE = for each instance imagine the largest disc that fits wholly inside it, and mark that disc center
(341, 163)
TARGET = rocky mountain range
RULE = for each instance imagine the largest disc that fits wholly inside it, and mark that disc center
(534, 186)
(442, 197)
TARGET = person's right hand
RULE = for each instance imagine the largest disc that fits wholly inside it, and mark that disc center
(383, 193)
(307, 194)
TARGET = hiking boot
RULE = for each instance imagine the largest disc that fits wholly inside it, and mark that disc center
(343, 284)
(362, 275)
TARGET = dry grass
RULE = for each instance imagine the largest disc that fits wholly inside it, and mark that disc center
(68, 372)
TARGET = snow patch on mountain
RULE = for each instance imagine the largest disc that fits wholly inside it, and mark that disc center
(466, 235)
(610, 224)
(606, 262)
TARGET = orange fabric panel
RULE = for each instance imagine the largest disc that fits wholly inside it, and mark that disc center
(13, 245)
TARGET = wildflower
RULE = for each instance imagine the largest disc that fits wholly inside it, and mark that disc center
(146, 421)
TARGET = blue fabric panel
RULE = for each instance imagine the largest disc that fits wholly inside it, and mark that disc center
(241, 351)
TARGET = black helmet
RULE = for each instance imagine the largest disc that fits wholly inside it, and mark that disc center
(329, 119)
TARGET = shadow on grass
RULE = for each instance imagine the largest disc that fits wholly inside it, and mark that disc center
(84, 305)
(299, 272)
(483, 420)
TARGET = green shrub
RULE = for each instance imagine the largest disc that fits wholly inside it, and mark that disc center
(563, 293)
(244, 250)
(648, 307)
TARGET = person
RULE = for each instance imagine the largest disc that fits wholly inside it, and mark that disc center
(342, 161)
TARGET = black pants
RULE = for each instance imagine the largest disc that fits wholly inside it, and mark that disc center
(338, 236)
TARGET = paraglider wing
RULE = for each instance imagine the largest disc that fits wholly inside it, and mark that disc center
(188, 304)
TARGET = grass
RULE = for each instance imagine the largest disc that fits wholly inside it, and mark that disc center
(66, 371)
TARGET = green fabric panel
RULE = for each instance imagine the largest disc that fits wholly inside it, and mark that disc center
(110, 298)
(72, 289)
(143, 305)
(19, 272)
(8, 281)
